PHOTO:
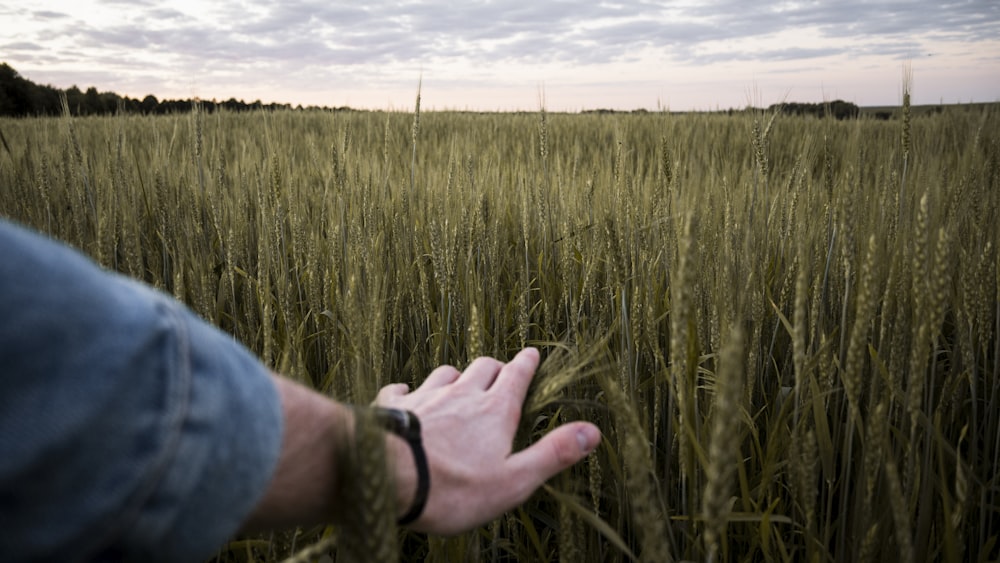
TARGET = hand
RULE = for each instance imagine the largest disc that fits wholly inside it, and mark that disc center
(468, 421)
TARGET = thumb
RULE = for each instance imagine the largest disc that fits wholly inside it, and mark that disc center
(558, 450)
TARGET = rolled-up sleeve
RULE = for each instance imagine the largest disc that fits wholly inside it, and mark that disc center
(129, 428)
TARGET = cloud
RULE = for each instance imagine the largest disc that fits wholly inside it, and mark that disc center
(529, 31)
(21, 46)
(307, 43)
(48, 15)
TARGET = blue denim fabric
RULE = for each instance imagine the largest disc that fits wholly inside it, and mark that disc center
(129, 428)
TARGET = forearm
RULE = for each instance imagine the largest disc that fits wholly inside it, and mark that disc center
(305, 489)
(304, 486)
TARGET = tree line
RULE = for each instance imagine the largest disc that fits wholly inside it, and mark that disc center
(20, 97)
(838, 109)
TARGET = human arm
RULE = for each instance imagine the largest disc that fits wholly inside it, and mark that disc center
(468, 421)
(132, 429)
(302, 490)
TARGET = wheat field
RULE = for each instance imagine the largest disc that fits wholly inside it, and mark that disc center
(788, 328)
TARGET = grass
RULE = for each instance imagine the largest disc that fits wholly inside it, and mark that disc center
(786, 327)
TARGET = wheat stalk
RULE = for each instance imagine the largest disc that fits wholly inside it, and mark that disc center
(647, 516)
(724, 445)
(368, 494)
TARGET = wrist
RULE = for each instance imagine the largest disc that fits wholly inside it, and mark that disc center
(405, 426)
(403, 468)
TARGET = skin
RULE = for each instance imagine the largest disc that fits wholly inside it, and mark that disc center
(468, 421)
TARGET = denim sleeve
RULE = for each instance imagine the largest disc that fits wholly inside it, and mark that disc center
(129, 428)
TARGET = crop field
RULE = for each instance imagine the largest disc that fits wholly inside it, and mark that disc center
(788, 328)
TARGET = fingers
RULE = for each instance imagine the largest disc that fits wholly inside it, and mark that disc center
(390, 392)
(481, 373)
(484, 371)
(516, 376)
(556, 451)
(441, 376)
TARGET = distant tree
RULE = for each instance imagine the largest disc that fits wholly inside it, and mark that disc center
(48, 100)
(91, 102)
(844, 110)
(15, 93)
(149, 103)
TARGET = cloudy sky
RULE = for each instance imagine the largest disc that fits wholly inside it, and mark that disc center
(503, 55)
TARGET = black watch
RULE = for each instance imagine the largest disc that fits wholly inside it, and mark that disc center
(406, 425)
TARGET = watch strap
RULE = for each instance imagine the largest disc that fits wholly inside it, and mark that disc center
(406, 425)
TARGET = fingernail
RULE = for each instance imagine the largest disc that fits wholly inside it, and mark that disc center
(587, 437)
